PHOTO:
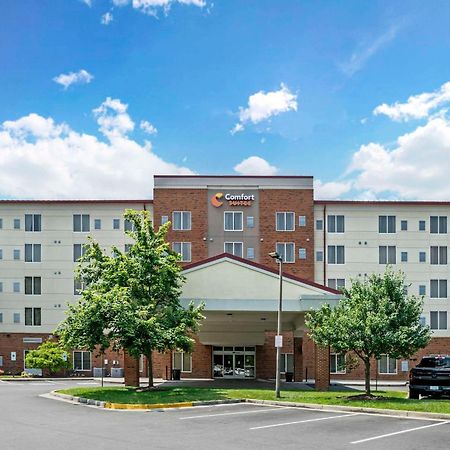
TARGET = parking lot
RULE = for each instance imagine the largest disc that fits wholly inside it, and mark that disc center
(30, 421)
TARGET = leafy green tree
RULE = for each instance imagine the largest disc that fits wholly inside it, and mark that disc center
(131, 299)
(374, 317)
(49, 355)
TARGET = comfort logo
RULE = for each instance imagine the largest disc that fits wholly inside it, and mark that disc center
(215, 200)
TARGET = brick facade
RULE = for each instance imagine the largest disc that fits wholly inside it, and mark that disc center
(321, 367)
(166, 201)
(302, 204)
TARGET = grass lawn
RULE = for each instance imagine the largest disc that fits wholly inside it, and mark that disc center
(388, 400)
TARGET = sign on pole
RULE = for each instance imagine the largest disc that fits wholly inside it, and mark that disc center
(278, 341)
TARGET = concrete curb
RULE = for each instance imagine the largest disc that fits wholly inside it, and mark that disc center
(142, 406)
(43, 380)
(316, 406)
(379, 411)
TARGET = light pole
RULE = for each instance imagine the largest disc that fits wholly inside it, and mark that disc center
(278, 337)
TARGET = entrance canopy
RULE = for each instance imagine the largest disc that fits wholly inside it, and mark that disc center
(241, 299)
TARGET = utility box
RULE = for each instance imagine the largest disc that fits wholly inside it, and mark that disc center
(98, 372)
(116, 372)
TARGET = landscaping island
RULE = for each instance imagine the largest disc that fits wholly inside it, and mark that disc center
(394, 400)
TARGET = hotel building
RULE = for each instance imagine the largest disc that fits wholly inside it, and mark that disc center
(224, 227)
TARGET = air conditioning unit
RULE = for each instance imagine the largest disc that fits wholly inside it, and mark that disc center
(98, 372)
(116, 372)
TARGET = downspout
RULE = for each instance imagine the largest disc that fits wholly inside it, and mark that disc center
(324, 244)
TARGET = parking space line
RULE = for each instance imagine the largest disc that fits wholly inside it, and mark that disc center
(303, 421)
(399, 432)
(254, 411)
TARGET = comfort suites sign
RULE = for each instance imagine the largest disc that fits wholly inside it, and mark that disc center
(219, 198)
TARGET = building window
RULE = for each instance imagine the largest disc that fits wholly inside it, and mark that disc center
(438, 320)
(116, 224)
(438, 255)
(233, 221)
(336, 224)
(422, 321)
(78, 251)
(16, 224)
(16, 287)
(33, 317)
(33, 222)
(302, 221)
(422, 257)
(285, 221)
(81, 360)
(438, 224)
(164, 220)
(1, 321)
(32, 252)
(287, 251)
(184, 249)
(250, 253)
(319, 256)
(32, 285)
(250, 221)
(404, 256)
(1, 223)
(16, 254)
(127, 248)
(336, 254)
(128, 225)
(337, 363)
(181, 220)
(1, 286)
(438, 288)
(78, 286)
(302, 253)
(97, 224)
(16, 317)
(422, 289)
(387, 254)
(422, 225)
(287, 363)
(235, 248)
(404, 225)
(81, 223)
(182, 361)
(319, 224)
(336, 283)
(387, 365)
(386, 224)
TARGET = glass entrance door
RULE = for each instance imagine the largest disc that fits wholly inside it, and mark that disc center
(234, 362)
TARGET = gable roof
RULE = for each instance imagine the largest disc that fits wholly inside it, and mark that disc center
(252, 264)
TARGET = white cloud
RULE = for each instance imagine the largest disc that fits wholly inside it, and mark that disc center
(264, 105)
(254, 165)
(366, 50)
(417, 168)
(107, 18)
(146, 126)
(417, 106)
(87, 2)
(152, 7)
(331, 190)
(42, 159)
(67, 79)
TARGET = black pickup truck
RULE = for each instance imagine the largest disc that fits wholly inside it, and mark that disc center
(430, 377)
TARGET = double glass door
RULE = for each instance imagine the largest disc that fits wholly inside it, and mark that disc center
(234, 362)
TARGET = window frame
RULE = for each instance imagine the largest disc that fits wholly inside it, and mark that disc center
(284, 362)
(82, 361)
(233, 214)
(334, 219)
(33, 253)
(334, 355)
(82, 223)
(388, 223)
(182, 228)
(36, 222)
(283, 254)
(335, 262)
(284, 214)
(182, 245)
(182, 361)
(233, 243)
(33, 311)
(388, 358)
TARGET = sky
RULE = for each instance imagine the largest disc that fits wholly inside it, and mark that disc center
(97, 96)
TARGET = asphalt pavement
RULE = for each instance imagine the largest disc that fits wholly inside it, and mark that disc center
(30, 421)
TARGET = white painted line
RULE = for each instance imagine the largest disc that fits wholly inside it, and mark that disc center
(253, 411)
(90, 383)
(399, 432)
(303, 421)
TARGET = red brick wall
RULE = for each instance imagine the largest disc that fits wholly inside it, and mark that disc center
(195, 200)
(266, 354)
(301, 202)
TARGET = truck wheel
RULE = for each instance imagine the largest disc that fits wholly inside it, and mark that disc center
(413, 394)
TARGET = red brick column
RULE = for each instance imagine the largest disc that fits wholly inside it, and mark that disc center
(131, 366)
(298, 359)
(322, 367)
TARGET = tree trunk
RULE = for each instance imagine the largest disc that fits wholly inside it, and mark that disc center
(367, 374)
(150, 369)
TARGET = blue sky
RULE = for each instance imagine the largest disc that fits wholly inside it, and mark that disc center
(195, 68)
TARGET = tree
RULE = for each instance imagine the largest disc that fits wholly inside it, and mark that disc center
(131, 299)
(49, 355)
(374, 317)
